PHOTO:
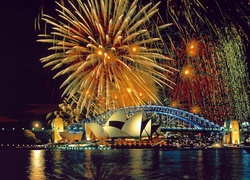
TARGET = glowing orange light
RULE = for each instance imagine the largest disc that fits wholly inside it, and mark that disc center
(187, 71)
(129, 90)
(174, 104)
(36, 124)
(195, 109)
(140, 94)
(99, 52)
(193, 48)
(134, 49)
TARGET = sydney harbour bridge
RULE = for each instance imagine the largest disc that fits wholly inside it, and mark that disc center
(168, 118)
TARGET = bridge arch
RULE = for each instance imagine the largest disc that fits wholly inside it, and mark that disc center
(169, 118)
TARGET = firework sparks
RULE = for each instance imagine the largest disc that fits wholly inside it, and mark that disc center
(209, 52)
(110, 52)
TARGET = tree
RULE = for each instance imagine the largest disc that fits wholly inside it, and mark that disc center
(29, 136)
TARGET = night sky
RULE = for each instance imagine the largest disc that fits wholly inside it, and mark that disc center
(27, 90)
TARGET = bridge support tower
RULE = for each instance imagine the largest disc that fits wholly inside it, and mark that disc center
(232, 136)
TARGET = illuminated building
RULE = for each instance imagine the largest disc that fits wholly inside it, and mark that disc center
(136, 127)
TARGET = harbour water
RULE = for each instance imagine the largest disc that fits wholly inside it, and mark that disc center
(127, 164)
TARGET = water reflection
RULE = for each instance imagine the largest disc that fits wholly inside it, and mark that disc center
(137, 161)
(129, 164)
(217, 163)
(36, 168)
(57, 163)
(246, 163)
(200, 165)
(234, 167)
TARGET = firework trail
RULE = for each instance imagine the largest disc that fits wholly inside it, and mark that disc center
(109, 52)
(209, 51)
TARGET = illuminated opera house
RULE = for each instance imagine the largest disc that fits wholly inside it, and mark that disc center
(118, 126)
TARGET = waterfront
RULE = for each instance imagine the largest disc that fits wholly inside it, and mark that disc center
(134, 164)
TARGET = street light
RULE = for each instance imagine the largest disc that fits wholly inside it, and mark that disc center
(36, 125)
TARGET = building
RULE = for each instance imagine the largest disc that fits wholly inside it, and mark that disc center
(118, 126)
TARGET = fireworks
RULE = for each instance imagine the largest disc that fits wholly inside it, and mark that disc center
(115, 54)
(109, 51)
(209, 51)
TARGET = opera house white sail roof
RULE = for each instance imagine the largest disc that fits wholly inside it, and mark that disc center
(118, 126)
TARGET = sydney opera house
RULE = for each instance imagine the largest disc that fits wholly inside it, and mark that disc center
(118, 126)
(136, 127)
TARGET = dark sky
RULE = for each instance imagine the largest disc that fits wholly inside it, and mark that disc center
(27, 91)
(22, 77)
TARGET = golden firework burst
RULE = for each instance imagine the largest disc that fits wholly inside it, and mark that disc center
(109, 51)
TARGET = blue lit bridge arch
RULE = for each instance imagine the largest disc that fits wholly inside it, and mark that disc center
(169, 118)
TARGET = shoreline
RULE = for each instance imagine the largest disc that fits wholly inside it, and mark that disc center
(87, 146)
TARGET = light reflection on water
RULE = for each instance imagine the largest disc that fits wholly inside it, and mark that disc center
(36, 167)
(200, 165)
(134, 164)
